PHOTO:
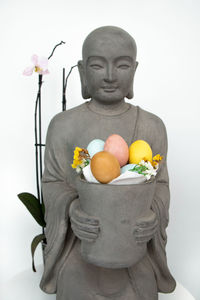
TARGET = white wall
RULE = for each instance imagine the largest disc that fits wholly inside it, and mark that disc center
(168, 38)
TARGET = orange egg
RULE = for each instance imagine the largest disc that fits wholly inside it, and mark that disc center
(105, 166)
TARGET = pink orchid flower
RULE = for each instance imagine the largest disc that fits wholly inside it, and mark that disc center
(40, 66)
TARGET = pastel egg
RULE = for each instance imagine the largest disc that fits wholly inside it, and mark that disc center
(127, 168)
(95, 146)
(105, 166)
(139, 150)
(116, 145)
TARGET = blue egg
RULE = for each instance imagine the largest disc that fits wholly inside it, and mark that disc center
(95, 146)
(127, 167)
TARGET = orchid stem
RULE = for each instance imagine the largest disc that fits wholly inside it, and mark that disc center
(38, 156)
(63, 91)
(55, 49)
(36, 150)
(40, 134)
(65, 86)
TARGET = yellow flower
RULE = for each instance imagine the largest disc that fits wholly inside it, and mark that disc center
(156, 160)
(157, 157)
(77, 161)
(81, 157)
(77, 152)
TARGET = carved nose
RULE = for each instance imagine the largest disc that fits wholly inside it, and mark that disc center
(110, 74)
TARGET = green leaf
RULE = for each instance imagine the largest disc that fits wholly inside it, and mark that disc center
(39, 238)
(87, 162)
(139, 169)
(34, 207)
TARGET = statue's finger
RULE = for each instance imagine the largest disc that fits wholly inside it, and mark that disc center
(147, 220)
(145, 230)
(84, 227)
(145, 238)
(81, 217)
(90, 237)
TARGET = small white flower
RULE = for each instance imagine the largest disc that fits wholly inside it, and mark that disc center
(148, 177)
(151, 171)
(142, 163)
(83, 164)
(78, 169)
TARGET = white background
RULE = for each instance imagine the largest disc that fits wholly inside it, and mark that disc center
(168, 38)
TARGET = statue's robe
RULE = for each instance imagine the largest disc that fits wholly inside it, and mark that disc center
(65, 272)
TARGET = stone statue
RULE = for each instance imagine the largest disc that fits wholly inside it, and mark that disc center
(107, 72)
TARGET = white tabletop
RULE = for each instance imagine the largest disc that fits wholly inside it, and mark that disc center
(25, 285)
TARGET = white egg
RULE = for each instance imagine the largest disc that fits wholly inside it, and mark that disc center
(95, 146)
(127, 167)
(129, 177)
(88, 174)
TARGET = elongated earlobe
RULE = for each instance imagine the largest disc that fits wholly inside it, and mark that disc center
(130, 94)
(84, 90)
(85, 93)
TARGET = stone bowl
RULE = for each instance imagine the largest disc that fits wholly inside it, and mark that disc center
(117, 207)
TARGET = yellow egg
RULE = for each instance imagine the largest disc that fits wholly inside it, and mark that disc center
(139, 150)
(105, 166)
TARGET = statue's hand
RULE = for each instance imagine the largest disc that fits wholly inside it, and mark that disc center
(86, 228)
(146, 228)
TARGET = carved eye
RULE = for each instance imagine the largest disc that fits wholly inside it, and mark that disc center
(123, 66)
(96, 66)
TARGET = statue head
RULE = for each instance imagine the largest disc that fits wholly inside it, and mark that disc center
(108, 65)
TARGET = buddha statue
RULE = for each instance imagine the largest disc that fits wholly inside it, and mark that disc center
(107, 71)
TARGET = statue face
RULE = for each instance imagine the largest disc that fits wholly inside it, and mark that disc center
(109, 67)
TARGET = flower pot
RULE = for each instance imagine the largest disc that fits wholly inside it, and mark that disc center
(118, 207)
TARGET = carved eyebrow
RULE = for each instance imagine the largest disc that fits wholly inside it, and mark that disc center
(124, 58)
(95, 57)
(127, 58)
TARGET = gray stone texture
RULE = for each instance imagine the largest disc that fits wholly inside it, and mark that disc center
(107, 72)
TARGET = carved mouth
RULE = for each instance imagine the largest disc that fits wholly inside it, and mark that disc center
(109, 89)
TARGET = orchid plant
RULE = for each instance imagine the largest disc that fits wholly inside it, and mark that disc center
(35, 205)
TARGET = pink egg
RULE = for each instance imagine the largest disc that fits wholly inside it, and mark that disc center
(116, 145)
